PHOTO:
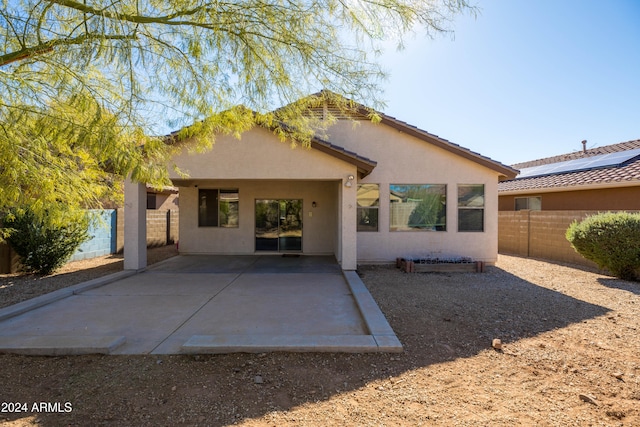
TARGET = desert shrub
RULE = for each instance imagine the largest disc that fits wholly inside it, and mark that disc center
(611, 240)
(43, 243)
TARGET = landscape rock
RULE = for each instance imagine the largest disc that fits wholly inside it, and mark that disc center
(589, 399)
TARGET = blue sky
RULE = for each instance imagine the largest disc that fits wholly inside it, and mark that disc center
(525, 79)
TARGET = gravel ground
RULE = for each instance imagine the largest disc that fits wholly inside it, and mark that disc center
(569, 357)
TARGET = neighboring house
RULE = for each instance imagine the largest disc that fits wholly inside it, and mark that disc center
(602, 178)
(366, 193)
(163, 199)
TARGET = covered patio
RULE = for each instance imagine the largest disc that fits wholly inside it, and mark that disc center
(259, 195)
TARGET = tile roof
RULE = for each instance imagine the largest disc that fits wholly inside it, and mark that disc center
(624, 173)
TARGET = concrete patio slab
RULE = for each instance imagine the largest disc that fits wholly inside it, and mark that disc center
(199, 344)
(194, 264)
(209, 304)
(275, 305)
(167, 284)
(294, 264)
(53, 345)
(145, 320)
(42, 300)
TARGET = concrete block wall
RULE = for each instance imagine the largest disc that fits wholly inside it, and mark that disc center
(513, 232)
(547, 236)
(174, 226)
(156, 228)
(103, 241)
(119, 230)
(540, 234)
(161, 228)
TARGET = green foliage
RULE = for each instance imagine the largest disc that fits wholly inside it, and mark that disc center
(611, 240)
(45, 243)
(72, 151)
(428, 213)
(85, 83)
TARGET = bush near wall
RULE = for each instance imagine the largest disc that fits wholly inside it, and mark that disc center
(611, 240)
(43, 245)
(108, 236)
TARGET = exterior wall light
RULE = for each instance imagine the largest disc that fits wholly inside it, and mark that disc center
(349, 182)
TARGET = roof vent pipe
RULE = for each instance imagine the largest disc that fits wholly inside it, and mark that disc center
(584, 146)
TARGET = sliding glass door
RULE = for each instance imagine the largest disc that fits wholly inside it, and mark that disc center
(279, 225)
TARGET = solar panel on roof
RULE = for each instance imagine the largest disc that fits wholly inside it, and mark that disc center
(593, 162)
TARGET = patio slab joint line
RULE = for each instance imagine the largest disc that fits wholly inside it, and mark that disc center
(202, 306)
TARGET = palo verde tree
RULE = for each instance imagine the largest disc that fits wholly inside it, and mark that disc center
(84, 85)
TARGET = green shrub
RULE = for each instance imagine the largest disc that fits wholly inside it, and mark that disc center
(43, 243)
(611, 240)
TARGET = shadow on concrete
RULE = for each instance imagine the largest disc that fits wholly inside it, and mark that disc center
(438, 318)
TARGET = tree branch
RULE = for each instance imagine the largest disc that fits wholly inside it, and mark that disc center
(48, 46)
(138, 19)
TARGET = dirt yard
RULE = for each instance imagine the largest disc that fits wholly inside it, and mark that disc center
(570, 357)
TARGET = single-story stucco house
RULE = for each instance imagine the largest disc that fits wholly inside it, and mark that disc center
(366, 194)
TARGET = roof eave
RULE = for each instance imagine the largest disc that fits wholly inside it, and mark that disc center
(364, 165)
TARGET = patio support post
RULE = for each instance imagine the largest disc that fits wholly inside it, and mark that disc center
(348, 229)
(135, 225)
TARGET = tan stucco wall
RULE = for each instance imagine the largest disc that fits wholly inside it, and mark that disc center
(262, 167)
(260, 155)
(403, 159)
(317, 235)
